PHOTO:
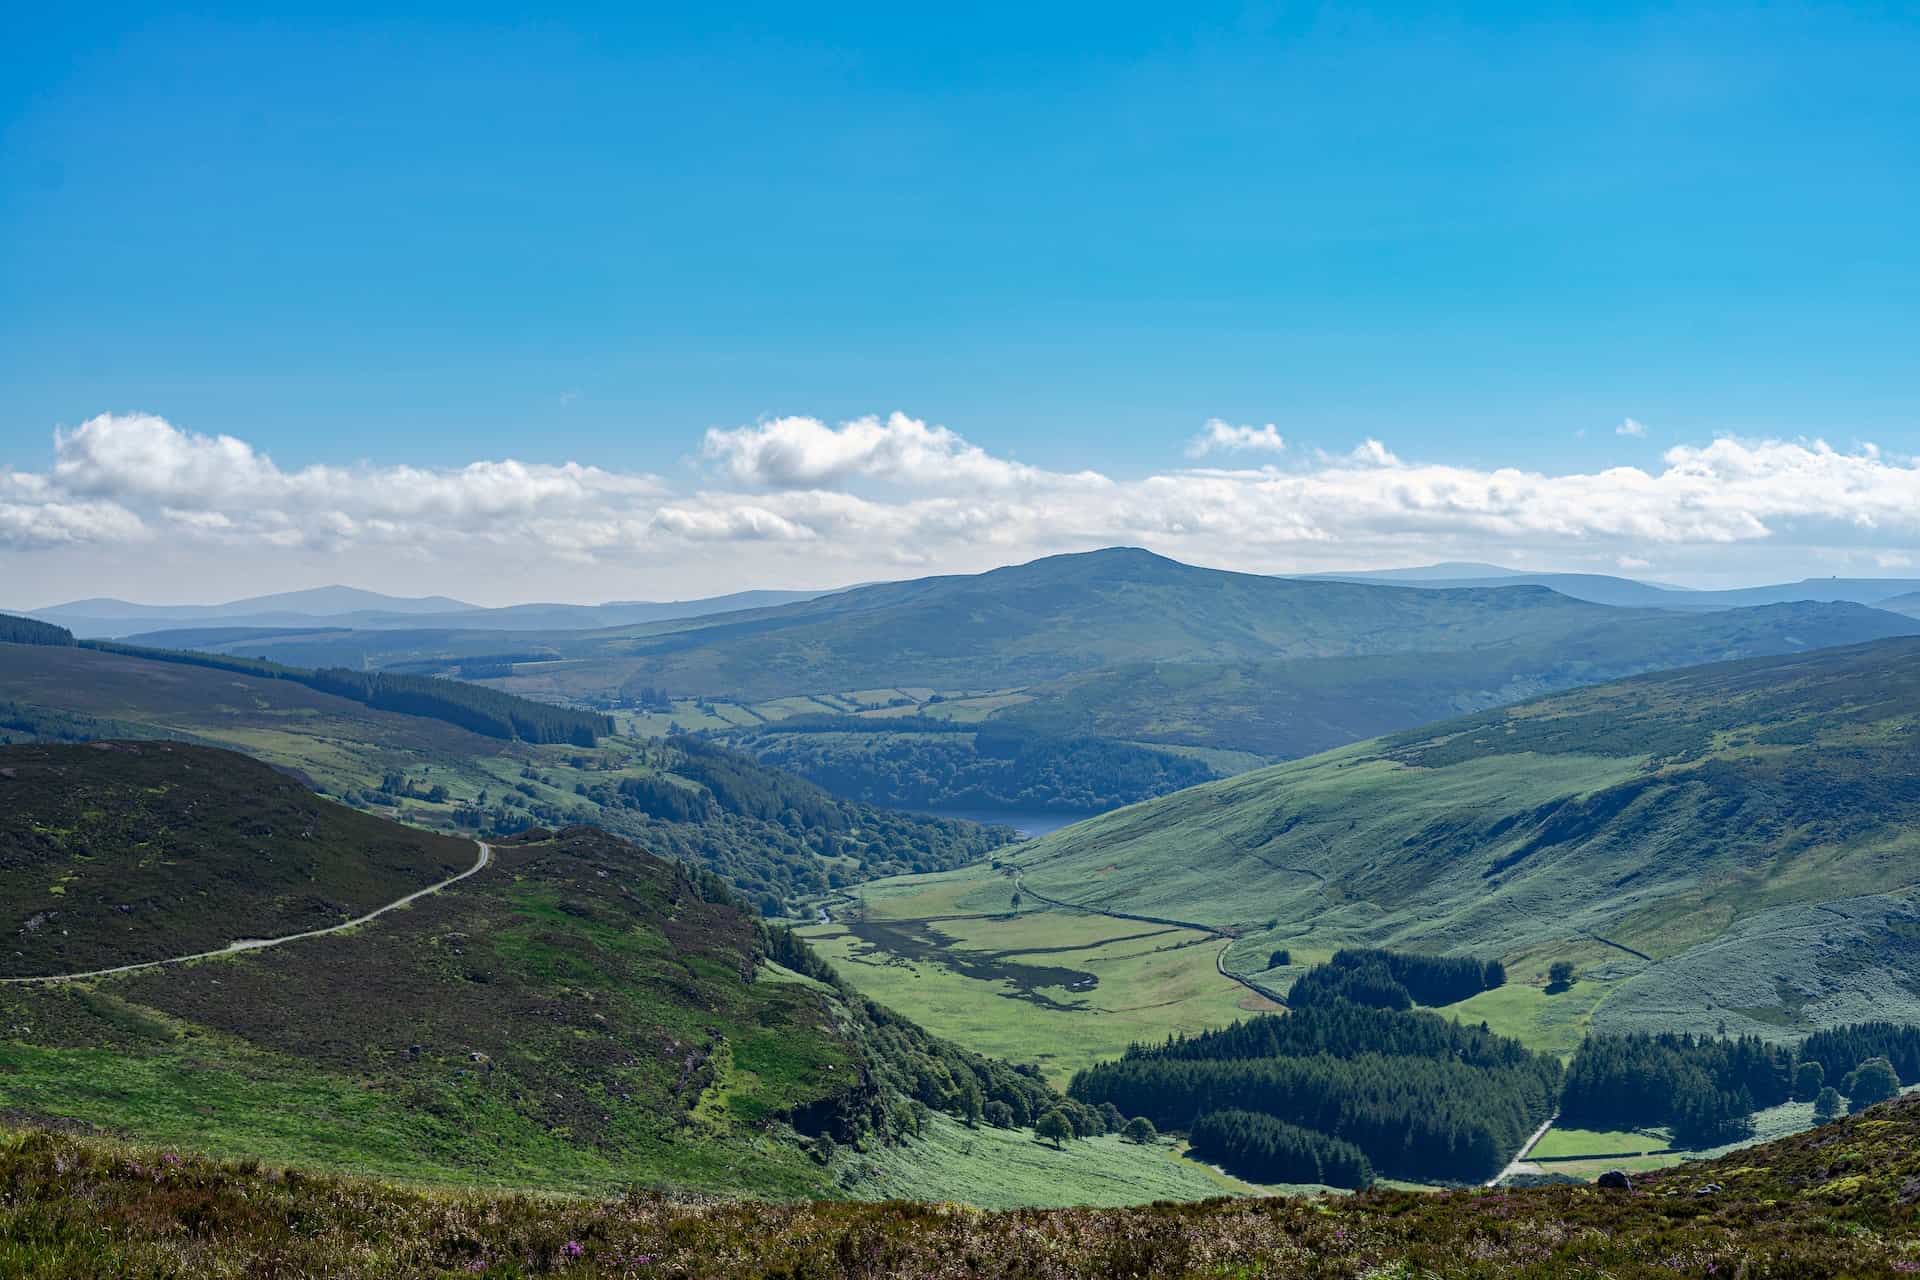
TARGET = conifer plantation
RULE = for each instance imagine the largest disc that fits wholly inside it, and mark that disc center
(1420, 1096)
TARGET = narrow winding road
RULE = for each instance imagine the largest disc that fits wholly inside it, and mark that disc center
(1219, 961)
(1514, 1164)
(260, 944)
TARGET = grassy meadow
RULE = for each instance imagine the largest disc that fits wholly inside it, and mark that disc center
(992, 1168)
(949, 948)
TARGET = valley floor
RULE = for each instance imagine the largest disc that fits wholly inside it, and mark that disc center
(1061, 989)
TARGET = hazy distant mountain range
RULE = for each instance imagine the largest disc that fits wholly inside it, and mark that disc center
(1601, 588)
(354, 608)
(351, 607)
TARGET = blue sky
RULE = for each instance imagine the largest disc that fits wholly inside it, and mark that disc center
(425, 236)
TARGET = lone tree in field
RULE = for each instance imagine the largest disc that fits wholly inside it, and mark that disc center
(1827, 1105)
(1140, 1131)
(1560, 975)
(1054, 1125)
(1808, 1078)
(1872, 1081)
(1280, 959)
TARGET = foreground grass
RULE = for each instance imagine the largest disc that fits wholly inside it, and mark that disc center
(1835, 1201)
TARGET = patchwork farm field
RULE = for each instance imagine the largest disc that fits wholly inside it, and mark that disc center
(1061, 989)
(1064, 988)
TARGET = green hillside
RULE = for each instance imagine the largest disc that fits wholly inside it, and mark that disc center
(577, 1014)
(1028, 624)
(1101, 739)
(121, 852)
(1148, 657)
(1011, 626)
(1734, 846)
(1291, 708)
(774, 837)
(1034, 622)
(1836, 1201)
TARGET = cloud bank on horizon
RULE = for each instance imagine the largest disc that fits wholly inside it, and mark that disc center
(794, 498)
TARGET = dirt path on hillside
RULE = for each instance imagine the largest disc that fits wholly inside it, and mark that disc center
(260, 944)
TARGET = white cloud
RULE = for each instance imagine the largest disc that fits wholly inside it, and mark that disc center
(798, 500)
(1372, 453)
(1631, 562)
(801, 453)
(142, 459)
(1218, 436)
(730, 524)
(1631, 428)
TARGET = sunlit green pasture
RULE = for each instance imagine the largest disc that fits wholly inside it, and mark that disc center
(954, 956)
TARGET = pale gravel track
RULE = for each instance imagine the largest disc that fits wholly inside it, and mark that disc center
(1514, 1164)
(261, 944)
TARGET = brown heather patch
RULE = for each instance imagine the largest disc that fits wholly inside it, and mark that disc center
(575, 974)
(120, 852)
(1839, 1201)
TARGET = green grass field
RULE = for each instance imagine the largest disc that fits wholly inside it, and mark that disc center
(1588, 1153)
(1009, 1168)
(947, 950)
(1553, 1023)
(1564, 1144)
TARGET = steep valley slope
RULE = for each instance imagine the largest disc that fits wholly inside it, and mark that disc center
(1732, 847)
(577, 1015)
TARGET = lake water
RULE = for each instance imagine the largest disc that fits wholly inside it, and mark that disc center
(1030, 825)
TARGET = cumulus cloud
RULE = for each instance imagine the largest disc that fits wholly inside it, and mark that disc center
(1371, 453)
(1223, 437)
(1631, 428)
(803, 453)
(142, 459)
(875, 492)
